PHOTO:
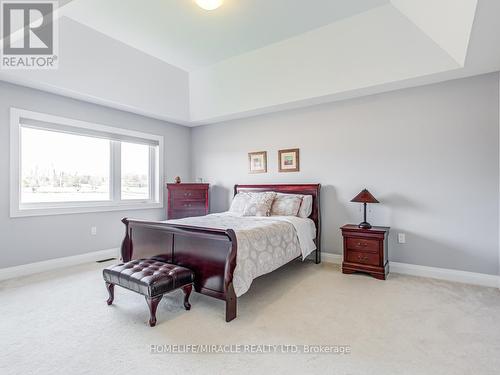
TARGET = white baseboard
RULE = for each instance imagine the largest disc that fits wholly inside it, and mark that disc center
(458, 276)
(446, 274)
(52, 264)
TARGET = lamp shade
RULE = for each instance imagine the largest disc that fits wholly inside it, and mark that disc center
(364, 197)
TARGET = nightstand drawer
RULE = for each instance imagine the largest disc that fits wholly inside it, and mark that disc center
(363, 258)
(362, 244)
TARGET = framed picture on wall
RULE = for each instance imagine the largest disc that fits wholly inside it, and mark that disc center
(289, 160)
(257, 162)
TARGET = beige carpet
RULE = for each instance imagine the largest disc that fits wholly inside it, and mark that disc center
(59, 323)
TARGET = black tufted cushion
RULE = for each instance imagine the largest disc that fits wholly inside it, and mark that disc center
(148, 276)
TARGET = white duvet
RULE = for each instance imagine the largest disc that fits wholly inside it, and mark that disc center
(264, 243)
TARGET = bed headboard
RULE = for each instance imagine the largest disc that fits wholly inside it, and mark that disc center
(306, 189)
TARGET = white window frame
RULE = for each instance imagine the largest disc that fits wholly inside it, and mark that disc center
(18, 209)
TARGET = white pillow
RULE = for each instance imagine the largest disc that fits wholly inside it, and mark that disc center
(286, 204)
(306, 207)
(259, 204)
(239, 202)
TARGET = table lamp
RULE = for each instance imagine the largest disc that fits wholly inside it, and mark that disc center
(364, 197)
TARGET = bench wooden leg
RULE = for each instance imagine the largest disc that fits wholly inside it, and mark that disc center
(153, 304)
(111, 290)
(187, 292)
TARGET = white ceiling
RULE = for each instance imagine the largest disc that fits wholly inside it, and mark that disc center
(171, 60)
(184, 35)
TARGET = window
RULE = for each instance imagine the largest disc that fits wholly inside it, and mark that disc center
(61, 166)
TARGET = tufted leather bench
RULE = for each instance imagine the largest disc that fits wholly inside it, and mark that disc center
(151, 278)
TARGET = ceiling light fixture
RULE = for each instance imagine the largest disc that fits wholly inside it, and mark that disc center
(209, 4)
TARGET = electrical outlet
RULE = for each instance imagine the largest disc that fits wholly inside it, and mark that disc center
(93, 231)
(401, 238)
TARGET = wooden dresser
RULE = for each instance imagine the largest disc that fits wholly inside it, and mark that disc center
(365, 250)
(185, 200)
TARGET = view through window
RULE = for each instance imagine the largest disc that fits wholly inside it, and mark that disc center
(135, 171)
(61, 165)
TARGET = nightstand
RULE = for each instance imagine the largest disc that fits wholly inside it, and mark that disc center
(365, 250)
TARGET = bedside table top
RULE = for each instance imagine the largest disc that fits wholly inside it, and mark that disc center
(355, 228)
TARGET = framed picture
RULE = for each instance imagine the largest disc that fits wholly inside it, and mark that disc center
(257, 162)
(289, 160)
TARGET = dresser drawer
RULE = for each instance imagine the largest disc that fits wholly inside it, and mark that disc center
(362, 244)
(188, 205)
(191, 194)
(363, 258)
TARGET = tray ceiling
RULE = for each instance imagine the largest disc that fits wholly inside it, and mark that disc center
(184, 35)
(171, 60)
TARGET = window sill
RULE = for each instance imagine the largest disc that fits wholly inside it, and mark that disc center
(81, 209)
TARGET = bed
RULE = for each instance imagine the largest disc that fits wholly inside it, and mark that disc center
(209, 245)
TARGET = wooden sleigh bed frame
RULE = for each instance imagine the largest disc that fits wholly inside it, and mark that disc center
(210, 253)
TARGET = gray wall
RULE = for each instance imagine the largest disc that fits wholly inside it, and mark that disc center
(32, 239)
(429, 154)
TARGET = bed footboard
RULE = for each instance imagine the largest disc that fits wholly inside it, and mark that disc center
(209, 253)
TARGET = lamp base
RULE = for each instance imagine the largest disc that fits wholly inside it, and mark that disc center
(365, 225)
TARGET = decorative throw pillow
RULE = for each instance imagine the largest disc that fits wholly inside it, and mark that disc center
(286, 204)
(239, 202)
(305, 209)
(259, 204)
